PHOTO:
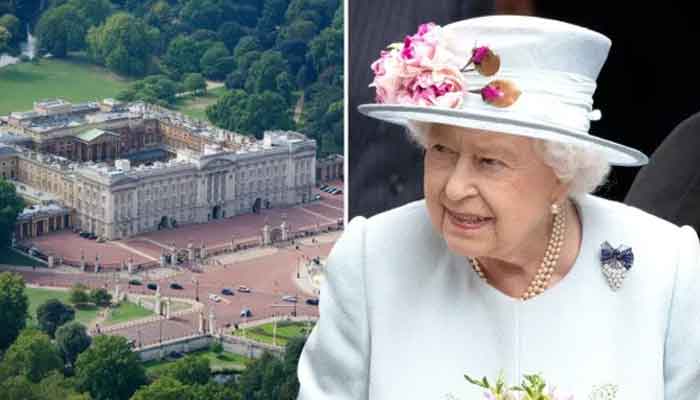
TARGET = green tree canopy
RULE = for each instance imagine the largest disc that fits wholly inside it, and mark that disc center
(109, 370)
(214, 62)
(32, 355)
(183, 56)
(251, 114)
(195, 83)
(12, 24)
(78, 294)
(165, 388)
(52, 314)
(61, 30)
(14, 306)
(101, 297)
(5, 38)
(10, 207)
(190, 370)
(72, 339)
(128, 37)
(155, 89)
(262, 74)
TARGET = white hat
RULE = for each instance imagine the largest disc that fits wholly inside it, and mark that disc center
(541, 79)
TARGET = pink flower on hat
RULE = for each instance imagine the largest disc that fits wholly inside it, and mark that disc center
(420, 71)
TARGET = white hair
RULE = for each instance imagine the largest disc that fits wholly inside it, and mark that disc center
(583, 169)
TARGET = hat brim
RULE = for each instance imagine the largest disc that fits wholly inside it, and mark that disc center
(615, 153)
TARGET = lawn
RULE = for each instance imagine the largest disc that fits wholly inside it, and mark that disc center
(10, 257)
(195, 106)
(126, 311)
(223, 362)
(73, 79)
(39, 296)
(285, 330)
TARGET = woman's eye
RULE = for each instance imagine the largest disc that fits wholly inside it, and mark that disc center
(490, 162)
(440, 148)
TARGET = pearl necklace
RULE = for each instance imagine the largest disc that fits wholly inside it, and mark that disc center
(544, 274)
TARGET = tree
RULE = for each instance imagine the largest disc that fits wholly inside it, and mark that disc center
(92, 12)
(109, 370)
(32, 355)
(271, 17)
(251, 113)
(230, 33)
(5, 38)
(78, 294)
(72, 339)
(18, 388)
(52, 314)
(60, 30)
(165, 388)
(190, 370)
(126, 36)
(262, 74)
(213, 64)
(214, 391)
(12, 24)
(10, 207)
(245, 45)
(101, 297)
(14, 306)
(196, 84)
(155, 89)
(183, 56)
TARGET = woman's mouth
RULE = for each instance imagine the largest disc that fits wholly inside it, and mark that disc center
(468, 221)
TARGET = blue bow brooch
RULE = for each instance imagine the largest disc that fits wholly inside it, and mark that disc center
(616, 263)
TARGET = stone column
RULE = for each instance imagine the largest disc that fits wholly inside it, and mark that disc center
(266, 235)
(162, 258)
(157, 305)
(97, 263)
(200, 328)
(82, 260)
(212, 322)
(167, 308)
(203, 251)
(130, 265)
(51, 261)
(117, 294)
(190, 252)
(285, 230)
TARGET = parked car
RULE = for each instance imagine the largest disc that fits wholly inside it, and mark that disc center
(175, 286)
(322, 186)
(244, 289)
(246, 312)
(84, 234)
(289, 299)
(227, 291)
(312, 301)
(152, 286)
(215, 298)
(135, 282)
(317, 197)
(92, 236)
(338, 192)
(176, 354)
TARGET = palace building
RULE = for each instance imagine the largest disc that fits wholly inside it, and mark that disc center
(118, 170)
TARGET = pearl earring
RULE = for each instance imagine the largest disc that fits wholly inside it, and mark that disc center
(556, 209)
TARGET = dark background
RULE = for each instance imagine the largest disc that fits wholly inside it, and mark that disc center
(648, 85)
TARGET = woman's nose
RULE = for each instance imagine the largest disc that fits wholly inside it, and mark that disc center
(460, 183)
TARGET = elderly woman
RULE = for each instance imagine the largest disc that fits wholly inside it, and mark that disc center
(508, 269)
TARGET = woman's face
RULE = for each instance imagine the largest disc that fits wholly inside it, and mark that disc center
(488, 194)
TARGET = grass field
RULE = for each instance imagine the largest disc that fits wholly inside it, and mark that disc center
(10, 257)
(195, 106)
(224, 361)
(285, 331)
(127, 312)
(73, 79)
(39, 296)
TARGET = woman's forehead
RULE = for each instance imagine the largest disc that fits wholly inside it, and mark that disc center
(479, 139)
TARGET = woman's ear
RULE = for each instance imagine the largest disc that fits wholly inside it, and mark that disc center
(561, 192)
